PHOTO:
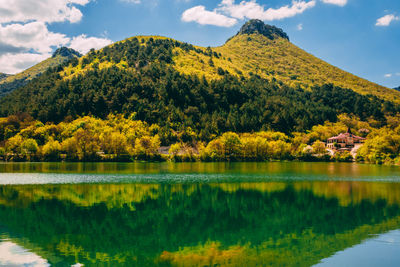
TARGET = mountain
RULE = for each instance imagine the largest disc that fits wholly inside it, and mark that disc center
(257, 80)
(266, 51)
(397, 88)
(9, 83)
(3, 76)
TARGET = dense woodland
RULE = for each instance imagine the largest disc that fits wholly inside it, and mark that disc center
(157, 93)
(142, 103)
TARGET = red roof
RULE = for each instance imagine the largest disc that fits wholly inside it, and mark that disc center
(346, 135)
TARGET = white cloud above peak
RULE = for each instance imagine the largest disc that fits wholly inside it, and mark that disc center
(252, 10)
(335, 2)
(386, 20)
(227, 13)
(200, 15)
(83, 44)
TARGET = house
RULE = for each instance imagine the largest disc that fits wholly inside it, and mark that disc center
(344, 141)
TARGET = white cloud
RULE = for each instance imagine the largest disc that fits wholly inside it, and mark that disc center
(83, 44)
(386, 20)
(40, 10)
(389, 75)
(300, 27)
(200, 15)
(14, 63)
(32, 36)
(252, 10)
(335, 2)
(131, 1)
(228, 13)
(25, 39)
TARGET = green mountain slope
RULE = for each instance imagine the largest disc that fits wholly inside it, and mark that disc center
(258, 80)
(3, 76)
(9, 83)
(272, 56)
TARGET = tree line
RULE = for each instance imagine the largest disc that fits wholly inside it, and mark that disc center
(119, 138)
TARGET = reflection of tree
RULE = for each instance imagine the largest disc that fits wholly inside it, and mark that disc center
(186, 216)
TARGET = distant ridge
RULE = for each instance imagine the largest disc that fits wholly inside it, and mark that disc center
(66, 52)
(256, 26)
(9, 83)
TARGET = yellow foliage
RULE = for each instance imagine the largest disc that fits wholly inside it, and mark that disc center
(275, 59)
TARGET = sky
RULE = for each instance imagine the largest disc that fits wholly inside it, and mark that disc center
(359, 36)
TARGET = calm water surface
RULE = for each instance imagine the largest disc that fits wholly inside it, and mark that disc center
(199, 214)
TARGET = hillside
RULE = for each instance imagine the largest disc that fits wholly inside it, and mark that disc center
(273, 56)
(258, 80)
(397, 88)
(9, 83)
(3, 76)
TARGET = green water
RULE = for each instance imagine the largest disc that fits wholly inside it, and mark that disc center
(199, 214)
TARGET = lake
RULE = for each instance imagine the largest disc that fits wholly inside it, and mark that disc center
(199, 214)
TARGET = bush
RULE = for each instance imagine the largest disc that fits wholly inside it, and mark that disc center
(51, 150)
(344, 156)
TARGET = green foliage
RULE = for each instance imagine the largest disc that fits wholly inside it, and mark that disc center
(146, 76)
(146, 147)
(281, 60)
(260, 146)
(118, 138)
(143, 79)
(382, 146)
(344, 156)
(319, 148)
(180, 152)
(209, 108)
(84, 139)
(51, 150)
(30, 146)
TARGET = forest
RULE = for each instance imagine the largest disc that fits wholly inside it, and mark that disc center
(158, 94)
(119, 138)
(141, 108)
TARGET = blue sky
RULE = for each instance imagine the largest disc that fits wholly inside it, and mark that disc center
(359, 36)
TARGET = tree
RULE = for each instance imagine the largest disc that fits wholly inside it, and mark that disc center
(51, 150)
(30, 146)
(114, 143)
(147, 147)
(319, 148)
(232, 145)
(87, 144)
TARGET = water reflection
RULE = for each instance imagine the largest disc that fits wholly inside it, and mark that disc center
(382, 250)
(12, 254)
(194, 224)
(300, 168)
(167, 172)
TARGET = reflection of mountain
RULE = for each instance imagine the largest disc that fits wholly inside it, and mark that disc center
(135, 224)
